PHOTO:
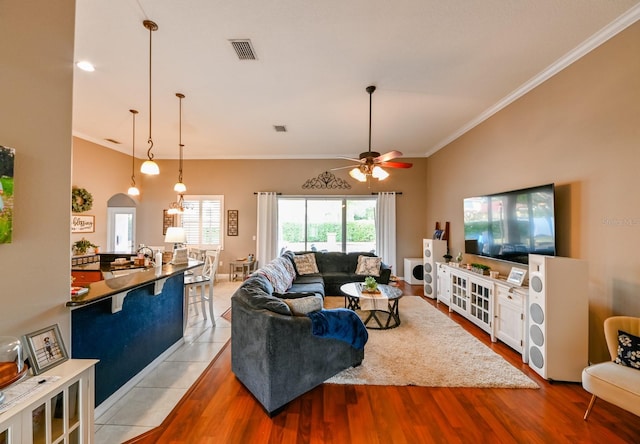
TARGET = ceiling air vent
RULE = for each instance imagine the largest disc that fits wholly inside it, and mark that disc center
(113, 141)
(244, 49)
(280, 128)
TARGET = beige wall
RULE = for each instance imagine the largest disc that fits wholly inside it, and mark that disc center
(581, 130)
(237, 180)
(104, 173)
(35, 118)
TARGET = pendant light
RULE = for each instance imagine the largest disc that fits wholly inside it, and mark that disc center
(133, 190)
(180, 187)
(177, 207)
(149, 166)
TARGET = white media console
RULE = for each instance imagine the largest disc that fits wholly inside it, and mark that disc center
(546, 322)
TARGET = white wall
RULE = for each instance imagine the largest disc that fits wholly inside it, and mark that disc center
(36, 80)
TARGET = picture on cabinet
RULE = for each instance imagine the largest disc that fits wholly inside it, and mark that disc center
(6, 194)
(45, 349)
(516, 276)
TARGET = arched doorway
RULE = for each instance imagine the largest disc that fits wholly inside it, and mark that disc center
(121, 224)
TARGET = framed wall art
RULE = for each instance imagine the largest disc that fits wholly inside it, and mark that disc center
(232, 222)
(6, 194)
(45, 348)
(83, 224)
(168, 220)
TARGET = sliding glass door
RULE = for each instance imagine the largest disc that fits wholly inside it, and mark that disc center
(326, 224)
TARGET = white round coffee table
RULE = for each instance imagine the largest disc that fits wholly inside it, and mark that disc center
(382, 307)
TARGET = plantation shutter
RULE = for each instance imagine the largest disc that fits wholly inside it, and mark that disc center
(202, 220)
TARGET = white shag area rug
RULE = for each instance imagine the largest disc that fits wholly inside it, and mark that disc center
(428, 349)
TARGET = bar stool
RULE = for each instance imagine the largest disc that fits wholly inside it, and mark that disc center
(195, 285)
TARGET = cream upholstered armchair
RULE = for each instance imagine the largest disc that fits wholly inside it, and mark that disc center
(615, 383)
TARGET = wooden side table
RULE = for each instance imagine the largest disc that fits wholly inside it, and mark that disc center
(243, 268)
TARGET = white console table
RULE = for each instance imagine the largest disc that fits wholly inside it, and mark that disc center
(61, 411)
(494, 305)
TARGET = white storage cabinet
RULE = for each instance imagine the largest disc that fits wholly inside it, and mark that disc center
(60, 413)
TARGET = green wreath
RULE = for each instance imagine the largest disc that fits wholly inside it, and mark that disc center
(81, 200)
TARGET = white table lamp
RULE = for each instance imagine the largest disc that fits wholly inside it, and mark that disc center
(175, 236)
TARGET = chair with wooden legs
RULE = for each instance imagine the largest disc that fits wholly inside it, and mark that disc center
(615, 383)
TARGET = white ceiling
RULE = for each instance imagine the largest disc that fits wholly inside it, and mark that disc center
(440, 66)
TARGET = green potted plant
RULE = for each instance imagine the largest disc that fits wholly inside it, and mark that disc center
(81, 246)
(480, 268)
(370, 284)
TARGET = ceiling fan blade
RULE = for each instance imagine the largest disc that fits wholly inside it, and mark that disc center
(396, 164)
(350, 158)
(344, 167)
(388, 156)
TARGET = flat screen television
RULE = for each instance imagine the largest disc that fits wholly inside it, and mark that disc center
(511, 225)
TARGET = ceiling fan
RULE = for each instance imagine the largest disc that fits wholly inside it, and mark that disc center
(370, 163)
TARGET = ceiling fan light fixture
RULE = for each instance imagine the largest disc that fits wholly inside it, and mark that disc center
(358, 175)
(379, 173)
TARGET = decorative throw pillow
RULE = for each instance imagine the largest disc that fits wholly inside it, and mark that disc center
(302, 306)
(368, 266)
(628, 350)
(280, 273)
(306, 263)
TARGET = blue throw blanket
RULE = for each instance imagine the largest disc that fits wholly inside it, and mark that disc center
(339, 323)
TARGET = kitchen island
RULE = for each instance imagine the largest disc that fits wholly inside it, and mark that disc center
(128, 323)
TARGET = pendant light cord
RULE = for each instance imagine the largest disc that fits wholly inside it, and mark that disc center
(150, 141)
(133, 150)
(180, 96)
(370, 108)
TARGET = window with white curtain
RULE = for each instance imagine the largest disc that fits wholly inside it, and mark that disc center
(202, 220)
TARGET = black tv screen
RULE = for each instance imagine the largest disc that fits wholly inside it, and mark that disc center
(511, 225)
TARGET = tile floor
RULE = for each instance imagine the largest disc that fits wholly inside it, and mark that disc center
(146, 405)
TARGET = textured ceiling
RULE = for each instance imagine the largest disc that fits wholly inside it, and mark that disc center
(439, 67)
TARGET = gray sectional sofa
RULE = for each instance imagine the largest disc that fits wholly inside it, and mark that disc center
(281, 348)
(334, 269)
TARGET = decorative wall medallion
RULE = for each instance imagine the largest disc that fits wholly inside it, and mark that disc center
(326, 180)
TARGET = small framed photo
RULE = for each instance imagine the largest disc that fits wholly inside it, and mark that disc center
(168, 220)
(516, 276)
(45, 348)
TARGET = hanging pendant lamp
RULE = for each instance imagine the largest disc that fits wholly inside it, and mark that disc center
(180, 187)
(149, 166)
(133, 190)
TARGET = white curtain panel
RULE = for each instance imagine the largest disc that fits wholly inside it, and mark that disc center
(267, 232)
(386, 229)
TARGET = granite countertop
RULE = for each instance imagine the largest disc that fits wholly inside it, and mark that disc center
(107, 288)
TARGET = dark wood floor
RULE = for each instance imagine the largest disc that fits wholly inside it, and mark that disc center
(218, 409)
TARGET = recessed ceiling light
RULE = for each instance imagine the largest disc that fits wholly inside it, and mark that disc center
(86, 66)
